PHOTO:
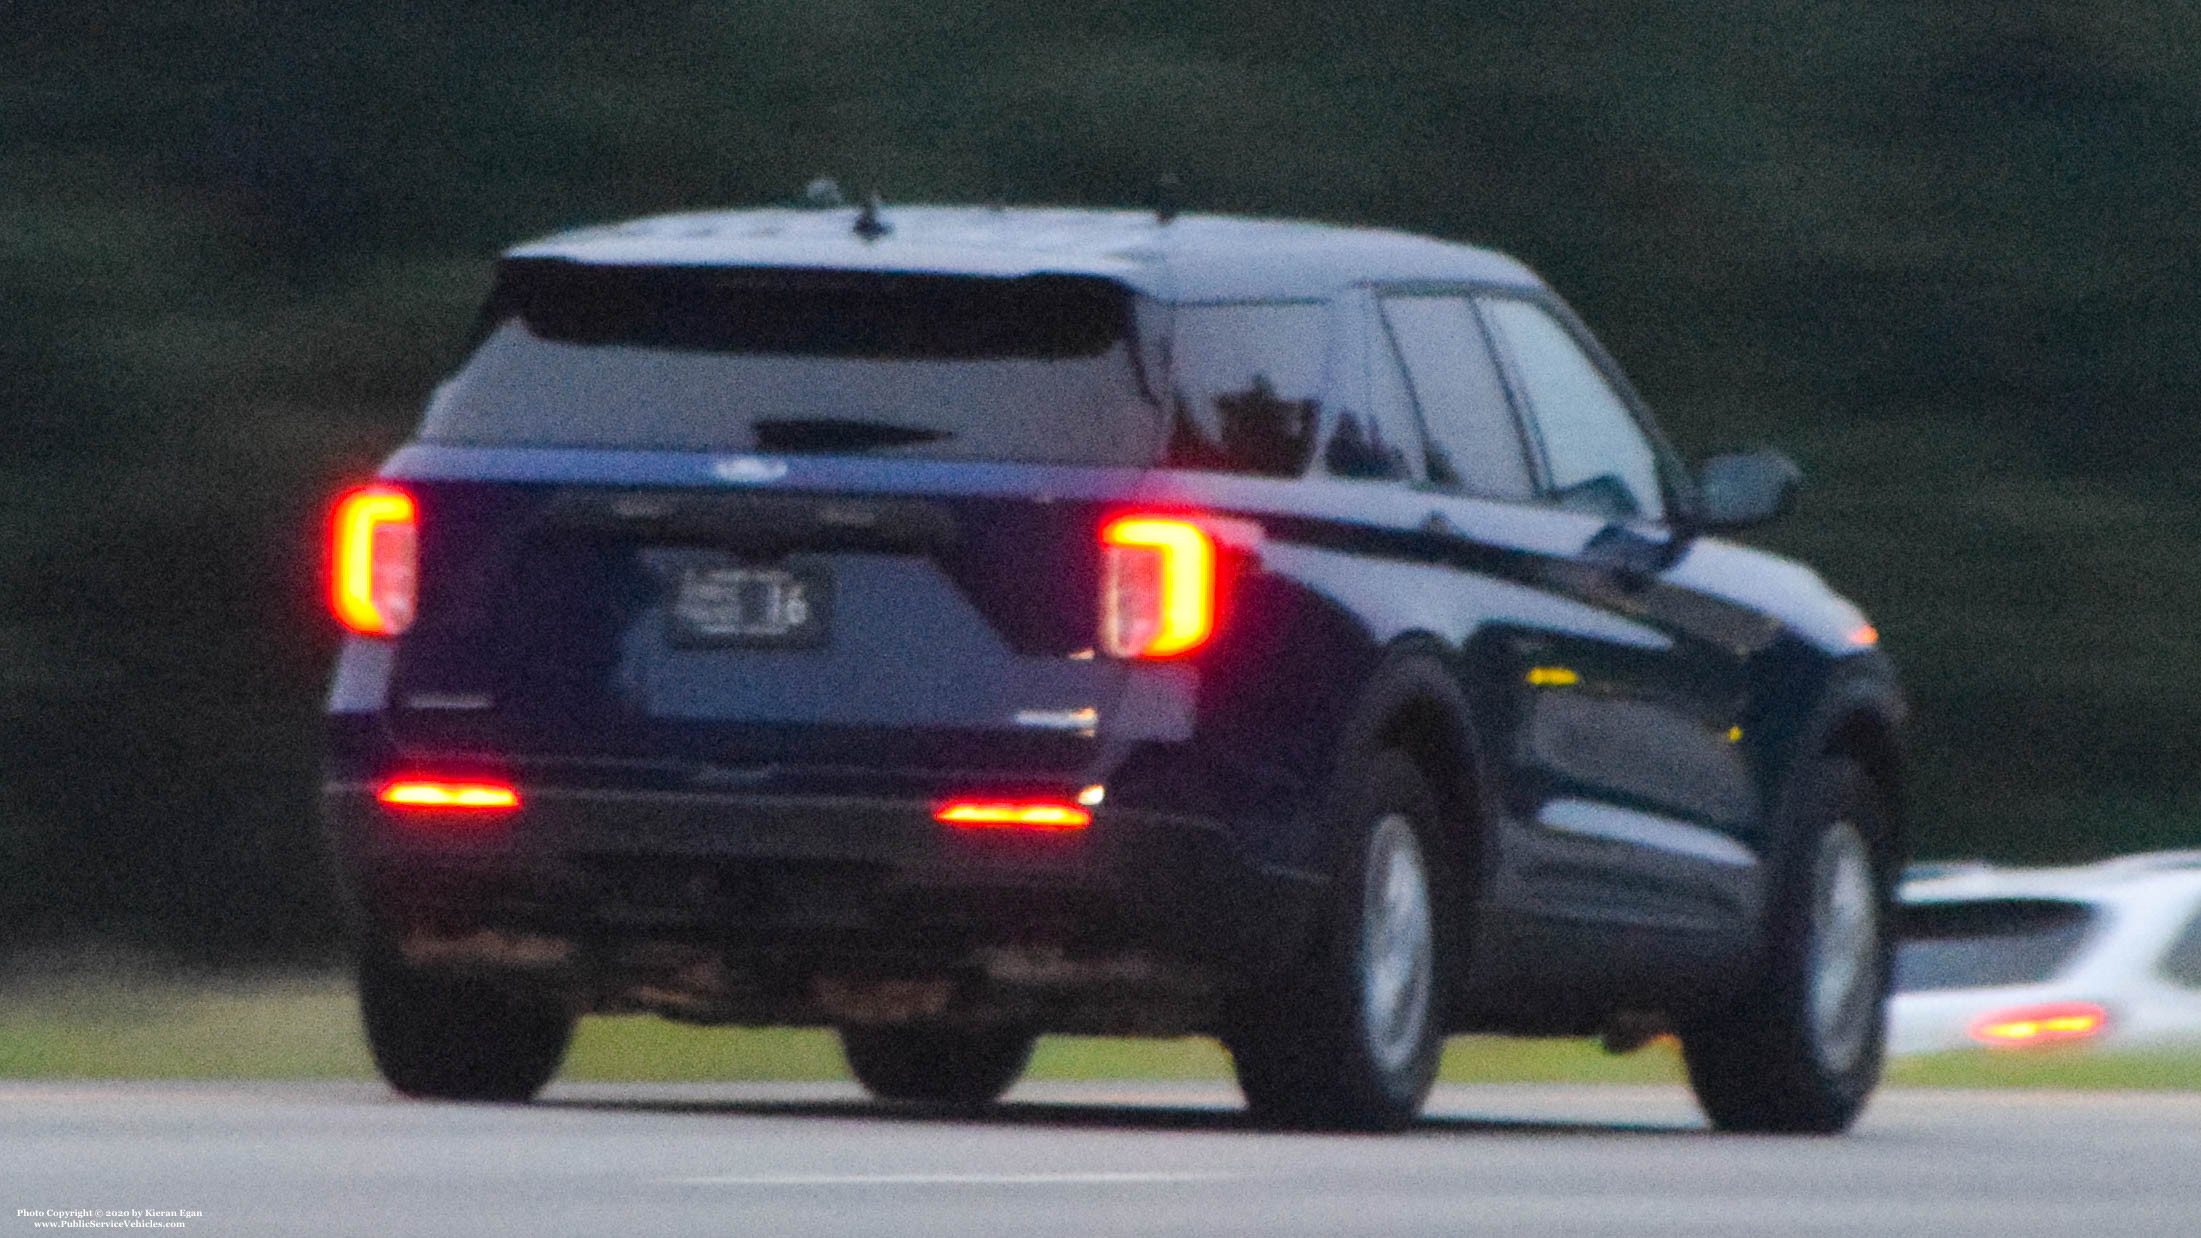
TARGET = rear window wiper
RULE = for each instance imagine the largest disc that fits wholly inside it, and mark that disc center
(800, 434)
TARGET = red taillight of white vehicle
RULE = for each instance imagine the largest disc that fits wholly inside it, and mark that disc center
(2048, 1024)
(373, 560)
(1162, 582)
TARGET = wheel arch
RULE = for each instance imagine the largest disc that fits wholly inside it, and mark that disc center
(1862, 722)
(1414, 704)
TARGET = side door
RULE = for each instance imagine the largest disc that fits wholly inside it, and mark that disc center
(1634, 774)
(1551, 666)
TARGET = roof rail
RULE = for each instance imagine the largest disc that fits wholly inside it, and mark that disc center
(1928, 870)
(2152, 861)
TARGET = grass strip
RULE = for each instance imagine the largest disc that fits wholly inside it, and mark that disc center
(307, 1028)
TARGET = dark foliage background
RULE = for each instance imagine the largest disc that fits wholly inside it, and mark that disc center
(1942, 253)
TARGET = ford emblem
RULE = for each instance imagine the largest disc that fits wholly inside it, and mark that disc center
(748, 470)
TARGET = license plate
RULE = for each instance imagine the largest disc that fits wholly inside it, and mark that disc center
(774, 606)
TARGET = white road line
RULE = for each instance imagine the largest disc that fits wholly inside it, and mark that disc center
(1030, 1179)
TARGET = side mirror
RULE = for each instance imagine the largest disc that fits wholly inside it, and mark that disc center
(1745, 490)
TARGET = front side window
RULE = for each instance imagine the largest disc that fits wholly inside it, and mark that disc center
(1245, 385)
(1598, 456)
(1474, 441)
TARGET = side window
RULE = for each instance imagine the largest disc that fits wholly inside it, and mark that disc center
(2181, 964)
(1386, 441)
(1246, 387)
(1600, 459)
(1474, 442)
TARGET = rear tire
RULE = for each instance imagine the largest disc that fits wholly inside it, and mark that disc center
(937, 1064)
(1351, 1041)
(1801, 1050)
(447, 1036)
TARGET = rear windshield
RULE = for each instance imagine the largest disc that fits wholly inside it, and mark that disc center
(1044, 369)
(1983, 943)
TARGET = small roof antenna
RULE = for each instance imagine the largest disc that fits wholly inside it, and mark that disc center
(1165, 197)
(823, 194)
(868, 224)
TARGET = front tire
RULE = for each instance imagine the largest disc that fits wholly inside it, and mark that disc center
(1801, 1051)
(937, 1064)
(448, 1036)
(1352, 1042)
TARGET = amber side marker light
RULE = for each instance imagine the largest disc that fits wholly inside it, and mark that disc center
(373, 575)
(1013, 814)
(426, 793)
(2026, 1026)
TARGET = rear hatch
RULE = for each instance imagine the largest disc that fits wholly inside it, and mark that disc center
(787, 525)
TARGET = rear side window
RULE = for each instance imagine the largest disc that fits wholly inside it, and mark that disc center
(1983, 943)
(2181, 964)
(1044, 369)
(1246, 386)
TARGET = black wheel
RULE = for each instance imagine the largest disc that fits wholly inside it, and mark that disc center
(1352, 1040)
(447, 1036)
(1801, 1050)
(937, 1064)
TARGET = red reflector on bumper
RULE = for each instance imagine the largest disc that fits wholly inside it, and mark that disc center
(1013, 814)
(423, 793)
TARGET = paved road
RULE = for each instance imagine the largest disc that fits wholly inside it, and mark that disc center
(1087, 1159)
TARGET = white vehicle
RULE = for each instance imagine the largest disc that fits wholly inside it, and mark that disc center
(2008, 958)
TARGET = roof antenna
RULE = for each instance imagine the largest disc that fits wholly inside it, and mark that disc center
(1165, 197)
(868, 224)
(823, 194)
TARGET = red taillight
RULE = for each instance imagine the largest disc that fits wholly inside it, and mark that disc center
(2053, 1023)
(433, 793)
(1013, 814)
(1160, 582)
(372, 570)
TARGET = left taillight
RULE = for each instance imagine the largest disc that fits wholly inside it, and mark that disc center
(373, 560)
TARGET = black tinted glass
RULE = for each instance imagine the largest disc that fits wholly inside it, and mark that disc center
(1041, 370)
(1983, 943)
(1246, 387)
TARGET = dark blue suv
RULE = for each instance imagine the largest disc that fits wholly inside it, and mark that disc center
(955, 625)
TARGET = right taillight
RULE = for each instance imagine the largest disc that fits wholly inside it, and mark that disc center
(1157, 587)
(1165, 578)
(373, 568)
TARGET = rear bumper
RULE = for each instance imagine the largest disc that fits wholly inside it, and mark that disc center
(783, 892)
